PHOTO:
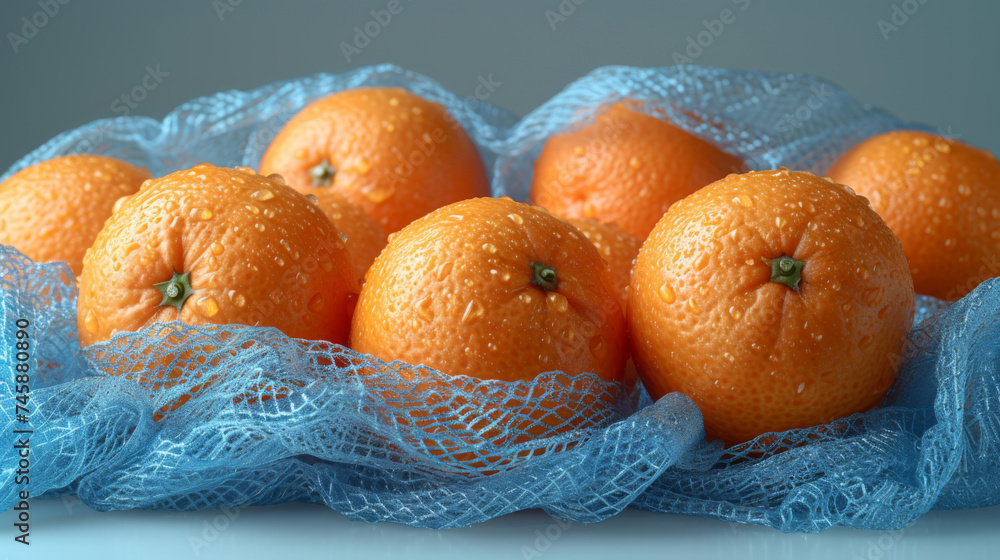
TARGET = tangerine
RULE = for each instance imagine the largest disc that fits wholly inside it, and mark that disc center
(773, 299)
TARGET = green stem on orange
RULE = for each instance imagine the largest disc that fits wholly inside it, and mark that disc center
(786, 270)
(322, 174)
(176, 290)
(544, 276)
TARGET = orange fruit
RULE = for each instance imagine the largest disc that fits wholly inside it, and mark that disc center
(941, 198)
(361, 233)
(492, 289)
(52, 211)
(625, 168)
(773, 299)
(618, 248)
(392, 152)
(213, 245)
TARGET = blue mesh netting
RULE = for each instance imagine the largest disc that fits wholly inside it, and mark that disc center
(279, 420)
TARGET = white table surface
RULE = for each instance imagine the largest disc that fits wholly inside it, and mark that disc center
(66, 529)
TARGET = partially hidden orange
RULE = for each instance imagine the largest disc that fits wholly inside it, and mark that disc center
(363, 236)
(625, 168)
(392, 152)
(774, 299)
(53, 210)
(618, 248)
(213, 245)
(940, 196)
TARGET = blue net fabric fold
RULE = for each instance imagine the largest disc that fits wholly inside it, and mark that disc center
(266, 419)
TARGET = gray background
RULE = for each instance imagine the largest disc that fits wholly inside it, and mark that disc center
(940, 66)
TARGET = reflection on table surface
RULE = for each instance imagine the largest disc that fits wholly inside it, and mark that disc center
(66, 526)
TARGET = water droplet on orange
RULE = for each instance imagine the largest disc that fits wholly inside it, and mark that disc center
(217, 248)
(443, 270)
(667, 294)
(119, 203)
(489, 248)
(702, 261)
(315, 303)
(473, 310)
(379, 193)
(208, 306)
(743, 200)
(262, 195)
(558, 301)
(524, 297)
(423, 307)
(735, 313)
(90, 322)
(516, 218)
(597, 346)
